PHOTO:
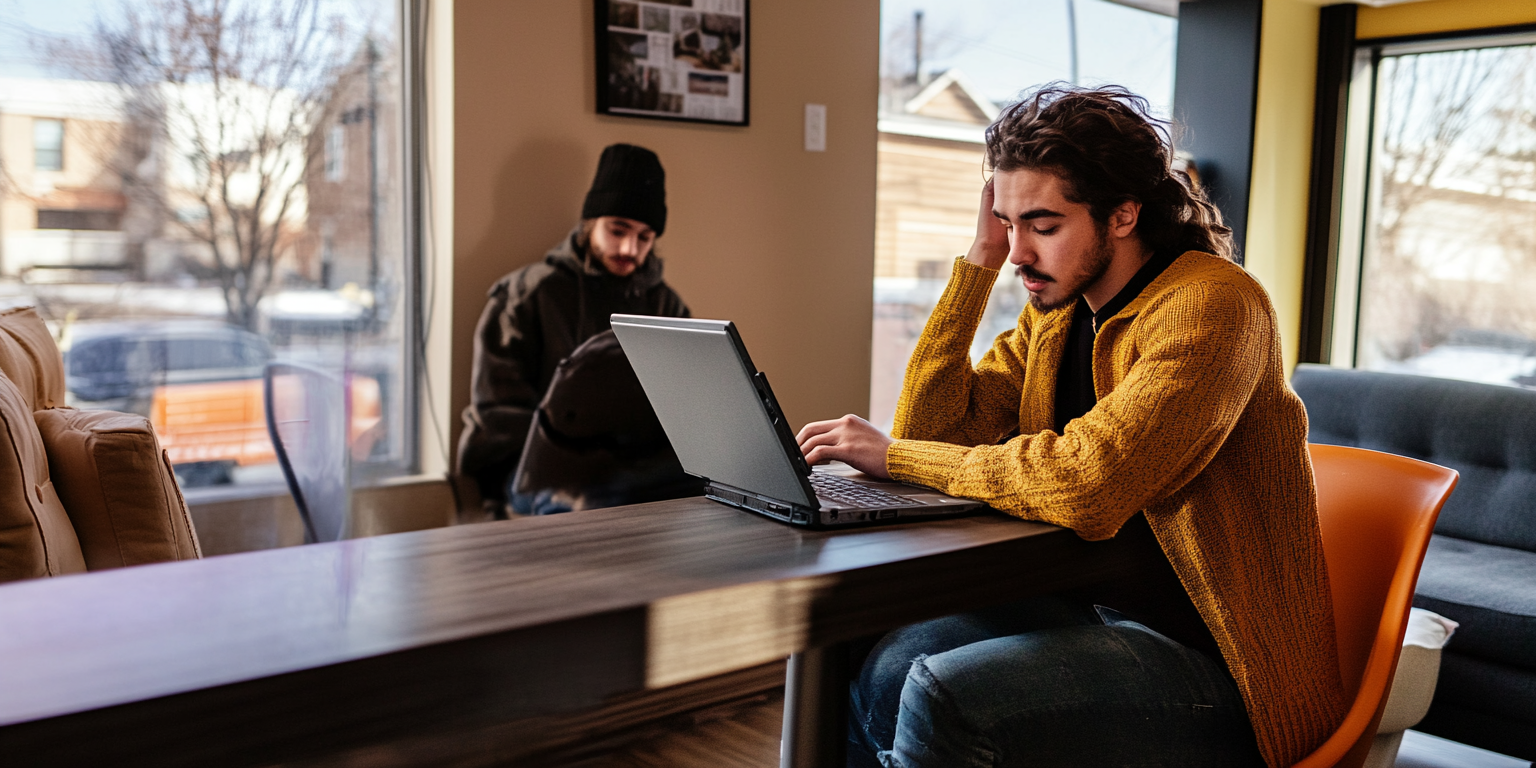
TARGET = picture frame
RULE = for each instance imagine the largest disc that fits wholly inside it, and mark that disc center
(683, 60)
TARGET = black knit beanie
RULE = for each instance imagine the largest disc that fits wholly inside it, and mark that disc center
(629, 183)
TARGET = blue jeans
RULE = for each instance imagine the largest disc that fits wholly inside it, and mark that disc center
(539, 503)
(1044, 682)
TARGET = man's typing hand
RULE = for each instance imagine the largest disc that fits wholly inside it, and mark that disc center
(850, 440)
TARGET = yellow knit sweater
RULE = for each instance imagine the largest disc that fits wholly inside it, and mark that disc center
(1195, 424)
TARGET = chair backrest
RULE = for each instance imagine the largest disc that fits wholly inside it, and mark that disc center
(1377, 512)
(308, 418)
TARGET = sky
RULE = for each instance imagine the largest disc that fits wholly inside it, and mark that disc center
(21, 19)
(18, 18)
(1006, 46)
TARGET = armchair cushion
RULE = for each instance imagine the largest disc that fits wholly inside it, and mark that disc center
(31, 359)
(36, 537)
(117, 486)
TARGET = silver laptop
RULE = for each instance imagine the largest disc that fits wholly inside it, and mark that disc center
(727, 428)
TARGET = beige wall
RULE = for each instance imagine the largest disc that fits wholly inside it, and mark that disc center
(760, 231)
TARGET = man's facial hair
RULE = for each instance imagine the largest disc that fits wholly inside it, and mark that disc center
(1096, 265)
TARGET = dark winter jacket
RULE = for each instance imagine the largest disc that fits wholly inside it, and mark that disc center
(535, 317)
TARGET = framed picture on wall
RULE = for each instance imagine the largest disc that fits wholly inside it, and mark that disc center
(672, 59)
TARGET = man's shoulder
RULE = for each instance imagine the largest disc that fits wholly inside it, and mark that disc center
(1204, 279)
(529, 279)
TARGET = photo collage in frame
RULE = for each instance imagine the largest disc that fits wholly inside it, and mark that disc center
(673, 59)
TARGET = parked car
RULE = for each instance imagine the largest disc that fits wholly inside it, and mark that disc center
(200, 384)
(119, 365)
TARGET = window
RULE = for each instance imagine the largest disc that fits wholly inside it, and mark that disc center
(79, 219)
(47, 144)
(187, 250)
(946, 69)
(1443, 205)
(335, 153)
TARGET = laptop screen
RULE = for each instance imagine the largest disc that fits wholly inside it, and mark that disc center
(700, 381)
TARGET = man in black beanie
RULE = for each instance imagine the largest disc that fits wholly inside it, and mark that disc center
(538, 315)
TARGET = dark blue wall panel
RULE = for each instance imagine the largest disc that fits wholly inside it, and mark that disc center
(1215, 86)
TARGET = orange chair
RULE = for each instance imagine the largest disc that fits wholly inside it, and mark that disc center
(1376, 511)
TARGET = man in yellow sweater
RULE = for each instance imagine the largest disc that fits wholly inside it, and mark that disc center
(1142, 395)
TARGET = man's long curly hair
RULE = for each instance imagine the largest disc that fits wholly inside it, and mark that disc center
(1107, 147)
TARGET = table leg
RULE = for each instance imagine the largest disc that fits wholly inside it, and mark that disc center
(816, 709)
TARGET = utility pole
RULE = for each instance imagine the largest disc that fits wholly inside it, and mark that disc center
(917, 47)
(373, 176)
(1072, 37)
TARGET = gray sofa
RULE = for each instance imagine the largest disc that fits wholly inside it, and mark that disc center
(1481, 566)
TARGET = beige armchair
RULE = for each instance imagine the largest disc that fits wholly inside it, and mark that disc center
(79, 490)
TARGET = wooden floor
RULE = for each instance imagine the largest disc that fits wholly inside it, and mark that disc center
(742, 734)
(745, 734)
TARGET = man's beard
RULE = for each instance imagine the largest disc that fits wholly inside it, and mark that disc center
(1095, 264)
(596, 255)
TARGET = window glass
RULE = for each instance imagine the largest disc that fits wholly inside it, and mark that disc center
(335, 153)
(209, 221)
(194, 354)
(47, 144)
(1449, 262)
(946, 68)
(82, 219)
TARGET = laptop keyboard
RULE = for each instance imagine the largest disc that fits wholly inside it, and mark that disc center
(847, 493)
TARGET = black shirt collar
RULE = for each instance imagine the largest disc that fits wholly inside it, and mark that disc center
(1149, 271)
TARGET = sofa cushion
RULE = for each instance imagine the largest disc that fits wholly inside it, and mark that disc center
(30, 358)
(118, 488)
(1482, 431)
(36, 538)
(1487, 687)
(1490, 590)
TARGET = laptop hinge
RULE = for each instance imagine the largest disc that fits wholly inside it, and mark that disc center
(736, 497)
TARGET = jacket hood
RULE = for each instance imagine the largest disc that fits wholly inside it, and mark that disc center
(566, 255)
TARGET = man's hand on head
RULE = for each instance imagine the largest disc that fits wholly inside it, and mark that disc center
(990, 248)
(850, 440)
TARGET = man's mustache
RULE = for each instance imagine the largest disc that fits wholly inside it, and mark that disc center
(1024, 270)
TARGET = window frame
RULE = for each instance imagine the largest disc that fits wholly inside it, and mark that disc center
(1341, 193)
(411, 28)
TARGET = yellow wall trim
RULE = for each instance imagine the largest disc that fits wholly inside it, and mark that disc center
(1275, 253)
(1433, 16)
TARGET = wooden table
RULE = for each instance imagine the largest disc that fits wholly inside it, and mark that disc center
(293, 654)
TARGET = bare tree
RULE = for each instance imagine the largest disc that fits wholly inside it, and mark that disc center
(1435, 103)
(226, 93)
(1433, 125)
(1513, 182)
